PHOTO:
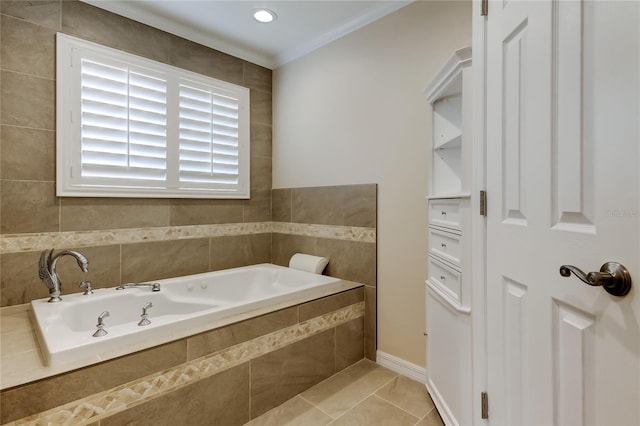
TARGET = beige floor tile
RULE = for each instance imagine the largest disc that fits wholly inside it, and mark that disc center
(342, 391)
(294, 412)
(375, 411)
(407, 394)
(431, 419)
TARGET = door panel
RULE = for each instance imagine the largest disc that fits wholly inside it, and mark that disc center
(562, 178)
(514, 140)
(572, 155)
(515, 301)
(573, 362)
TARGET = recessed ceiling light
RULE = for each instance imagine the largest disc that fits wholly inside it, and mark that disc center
(264, 15)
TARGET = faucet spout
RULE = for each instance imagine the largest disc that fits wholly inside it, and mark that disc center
(83, 263)
(47, 270)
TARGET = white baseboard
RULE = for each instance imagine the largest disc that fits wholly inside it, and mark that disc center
(401, 366)
(443, 409)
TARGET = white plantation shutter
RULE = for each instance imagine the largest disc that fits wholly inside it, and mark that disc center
(139, 128)
(123, 124)
(209, 141)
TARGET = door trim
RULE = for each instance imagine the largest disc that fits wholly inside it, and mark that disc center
(478, 222)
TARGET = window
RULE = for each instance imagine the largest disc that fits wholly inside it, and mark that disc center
(132, 127)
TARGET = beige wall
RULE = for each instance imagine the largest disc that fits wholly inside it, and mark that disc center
(354, 112)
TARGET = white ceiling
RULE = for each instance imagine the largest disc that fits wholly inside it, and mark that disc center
(301, 27)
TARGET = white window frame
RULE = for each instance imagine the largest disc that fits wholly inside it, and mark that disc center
(71, 183)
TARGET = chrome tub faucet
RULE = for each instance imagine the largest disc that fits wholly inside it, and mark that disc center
(48, 274)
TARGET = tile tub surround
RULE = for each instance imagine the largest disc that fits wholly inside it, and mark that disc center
(348, 206)
(121, 255)
(313, 340)
(131, 254)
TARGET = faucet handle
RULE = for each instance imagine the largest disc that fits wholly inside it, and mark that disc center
(100, 326)
(86, 284)
(145, 317)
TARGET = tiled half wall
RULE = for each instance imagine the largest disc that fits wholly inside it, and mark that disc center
(355, 259)
(225, 376)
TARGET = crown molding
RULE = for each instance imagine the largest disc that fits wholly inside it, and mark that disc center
(136, 12)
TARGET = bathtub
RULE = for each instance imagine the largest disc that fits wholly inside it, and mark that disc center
(184, 306)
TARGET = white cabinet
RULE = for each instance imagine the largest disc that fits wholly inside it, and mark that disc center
(448, 292)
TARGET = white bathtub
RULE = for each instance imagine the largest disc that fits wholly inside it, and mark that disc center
(184, 306)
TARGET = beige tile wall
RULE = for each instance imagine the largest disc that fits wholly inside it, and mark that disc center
(348, 205)
(28, 203)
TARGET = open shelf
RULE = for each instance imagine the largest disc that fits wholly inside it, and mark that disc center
(447, 171)
(447, 122)
(448, 93)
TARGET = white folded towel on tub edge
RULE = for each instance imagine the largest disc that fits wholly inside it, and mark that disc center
(308, 263)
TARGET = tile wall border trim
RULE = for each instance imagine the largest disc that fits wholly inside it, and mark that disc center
(15, 243)
(335, 232)
(107, 403)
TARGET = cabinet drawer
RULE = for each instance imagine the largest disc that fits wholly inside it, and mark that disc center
(447, 279)
(445, 245)
(445, 213)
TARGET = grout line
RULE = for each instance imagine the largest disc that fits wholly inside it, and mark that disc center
(250, 391)
(400, 408)
(29, 75)
(210, 244)
(120, 263)
(59, 199)
(422, 418)
(429, 412)
(316, 406)
(349, 410)
(364, 398)
(371, 394)
(291, 205)
(27, 127)
(335, 350)
(244, 74)
(32, 181)
(379, 397)
(59, 29)
(397, 406)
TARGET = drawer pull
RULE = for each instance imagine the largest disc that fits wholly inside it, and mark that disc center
(442, 277)
(443, 213)
(443, 245)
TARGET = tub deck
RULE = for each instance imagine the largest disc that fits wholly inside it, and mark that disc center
(22, 362)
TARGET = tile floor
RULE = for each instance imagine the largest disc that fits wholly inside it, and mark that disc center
(363, 394)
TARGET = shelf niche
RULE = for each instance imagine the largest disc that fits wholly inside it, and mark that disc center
(445, 94)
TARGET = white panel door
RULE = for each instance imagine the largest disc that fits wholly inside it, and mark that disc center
(563, 186)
